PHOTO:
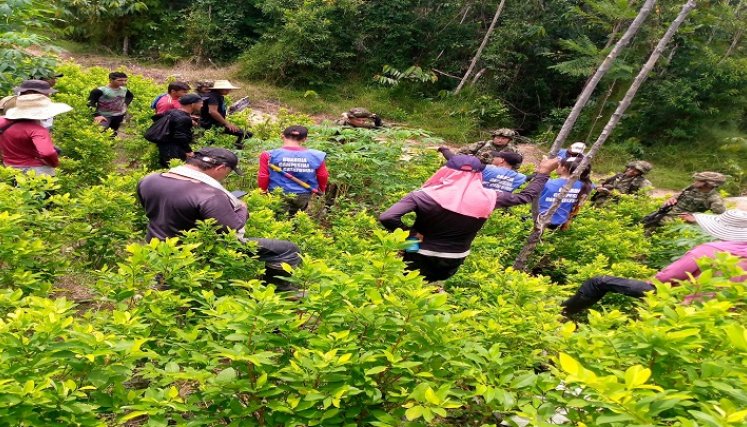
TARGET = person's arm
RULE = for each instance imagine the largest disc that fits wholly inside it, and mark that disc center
(215, 114)
(93, 100)
(532, 190)
(471, 148)
(392, 218)
(263, 176)
(181, 130)
(717, 204)
(129, 96)
(220, 209)
(322, 177)
(44, 147)
(679, 269)
(446, 152)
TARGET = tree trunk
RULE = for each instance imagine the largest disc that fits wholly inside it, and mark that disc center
(482, 46)
(544, 219)
(126, 45)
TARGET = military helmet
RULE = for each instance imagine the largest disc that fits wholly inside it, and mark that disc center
(508, 133)
(641, 166)
(360, 113)
(713, 178)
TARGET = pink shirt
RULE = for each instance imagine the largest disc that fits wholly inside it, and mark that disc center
(27, 144)
(678, 270)
(166, 103)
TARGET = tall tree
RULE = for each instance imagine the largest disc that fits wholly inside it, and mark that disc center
(481, 48)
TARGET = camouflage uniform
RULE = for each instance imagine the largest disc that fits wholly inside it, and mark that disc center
(624, 184)
(693, 200)
(360, 113)
(483, 149)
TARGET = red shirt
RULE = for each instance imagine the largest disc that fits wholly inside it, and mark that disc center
(263, 177)
(26, 144)
(166, 103)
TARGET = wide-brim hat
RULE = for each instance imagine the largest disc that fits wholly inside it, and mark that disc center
(36, 107)
(730, 225)
(223, 84)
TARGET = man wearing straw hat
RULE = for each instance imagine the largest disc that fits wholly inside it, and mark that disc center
(730, 228)
(214, 111)
(26, 144)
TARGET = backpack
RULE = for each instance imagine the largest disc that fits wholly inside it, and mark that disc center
(159, 130)
(155, 100)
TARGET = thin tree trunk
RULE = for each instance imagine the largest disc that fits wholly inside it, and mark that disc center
(544, 219)
(482, 46)
(477, 76)
(733, 45)
(126, 45)
(601, 109)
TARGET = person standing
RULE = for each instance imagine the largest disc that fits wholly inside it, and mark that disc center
(170, 99)
(24, 143)
(177, 145)
(175, 200)
(578, 191)
(214, 111)
(576, 150)
(306, 167)
(501, 174)
(450, 209)
(503, 140)
(110, 102)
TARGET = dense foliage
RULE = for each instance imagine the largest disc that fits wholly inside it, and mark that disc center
(98, 328)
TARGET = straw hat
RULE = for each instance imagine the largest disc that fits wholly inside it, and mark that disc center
(36, 107)
(223, 84)
(730, 225)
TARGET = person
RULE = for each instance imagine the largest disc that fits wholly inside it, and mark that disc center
(202, 88)
(177, 143)
(175, 200)
(24, 143)
(576, 149)
(701, 196)
(303, 171)
(27, 87)
(573, 198)
(170, 99)
(214, 112)
(730, 228)
(503, 140)
(360, 118)
(631, 181)
(450, 208)
(110, 102)
(501, 174)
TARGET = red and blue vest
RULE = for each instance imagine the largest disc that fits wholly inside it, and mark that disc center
(302, 164)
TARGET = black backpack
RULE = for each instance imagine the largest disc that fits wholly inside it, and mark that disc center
(160, 130)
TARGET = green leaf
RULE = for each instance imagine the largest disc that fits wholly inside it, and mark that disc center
(636, 375)
(375, 370)
(225, 376)
(414, 413)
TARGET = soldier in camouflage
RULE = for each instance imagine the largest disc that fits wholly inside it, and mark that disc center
(631, 181)
(503, 140)
(360, 118)
(701, 196)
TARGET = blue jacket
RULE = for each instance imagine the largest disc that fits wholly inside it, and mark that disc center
(301, 164)
(552, 187)
(502, 179)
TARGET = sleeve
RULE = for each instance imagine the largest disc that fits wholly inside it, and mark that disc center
(519, 180)
(717, 205)
(608, 181)
(93, 99)
(129, 96)
(392, 218)
(530, 193)
(322, 177)
(263, 176)
(679, 269)
(646, 185)
(471, 148)
(181, 130)
(446, 152)
(219, 208)
(44, 147)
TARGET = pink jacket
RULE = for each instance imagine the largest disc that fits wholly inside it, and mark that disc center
(679, 269)
(26, 144)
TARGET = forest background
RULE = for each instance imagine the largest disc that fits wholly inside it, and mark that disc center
(404, 58)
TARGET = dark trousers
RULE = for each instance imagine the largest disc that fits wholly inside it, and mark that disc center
(167, 151)
(240, 135)
(274, 253)
(296, 202)
(432, 268)
(113, 123)
(596, 288)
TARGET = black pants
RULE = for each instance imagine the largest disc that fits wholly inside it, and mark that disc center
(595, 288)
(167, 151)
(114, 122)
(274, 253)
(296, 202)
(432, 268)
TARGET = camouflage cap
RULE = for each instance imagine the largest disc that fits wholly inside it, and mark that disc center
(508, 133)
(713, 178)
(204, 84)
(360, 113)
(641, 166)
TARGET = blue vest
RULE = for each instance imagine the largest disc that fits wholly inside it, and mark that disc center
(552, 187)
(302, 164)
(502, 179)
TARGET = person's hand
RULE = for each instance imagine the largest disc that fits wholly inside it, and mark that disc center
(232, 128)
(419, 237)
(190, 154)
(99, 120)
(688, 217)
(671, 202)
(548, 165)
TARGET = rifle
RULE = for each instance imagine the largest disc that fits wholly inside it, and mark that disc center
(303, 184)
(653, 219)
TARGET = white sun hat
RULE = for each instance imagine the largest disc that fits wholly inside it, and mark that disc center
(36, 107)
(577, 148)
(730, 225)
(223, 84)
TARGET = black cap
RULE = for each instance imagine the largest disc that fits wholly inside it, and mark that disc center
(296, 132)
(513, 159)
(190, 98)
(219, 156)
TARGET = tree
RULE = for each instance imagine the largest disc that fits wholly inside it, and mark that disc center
(482, 46)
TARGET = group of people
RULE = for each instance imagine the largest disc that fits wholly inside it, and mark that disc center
(450, 208)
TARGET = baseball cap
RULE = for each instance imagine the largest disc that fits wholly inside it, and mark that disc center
(190, 98)
(465, 163)
(219, 156)
(513, 159)
(577, 148)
